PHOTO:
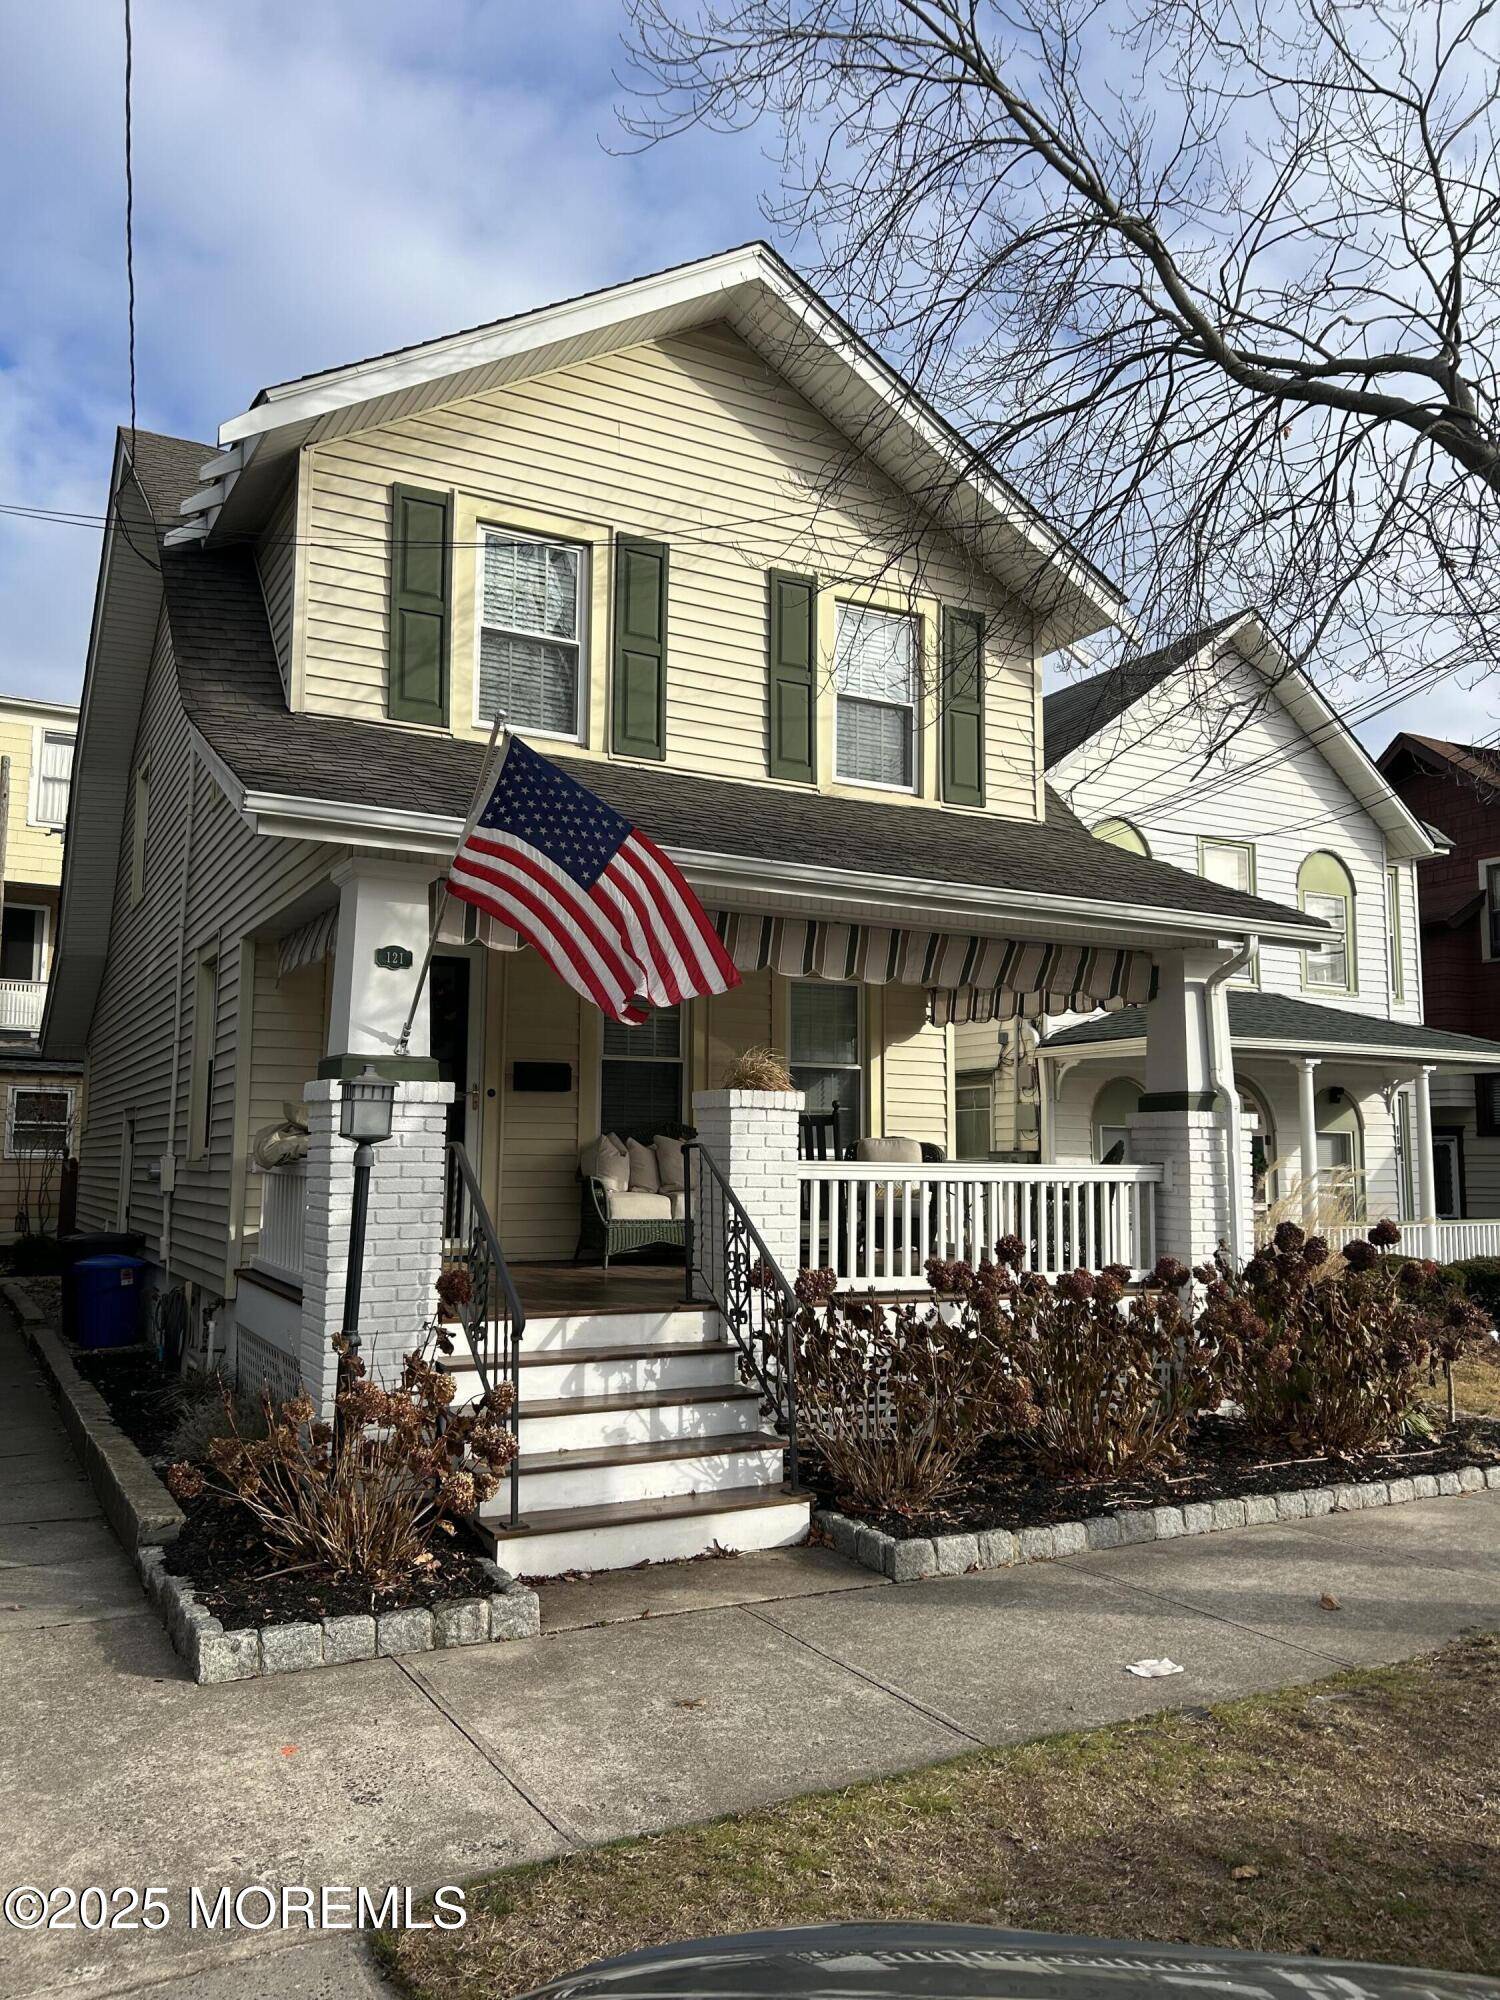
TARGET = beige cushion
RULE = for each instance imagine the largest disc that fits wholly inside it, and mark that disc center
(890, 1152)
(607, 1161)
(644, 1178)
(635, 1206)
(668, 1163)
(678, 1199)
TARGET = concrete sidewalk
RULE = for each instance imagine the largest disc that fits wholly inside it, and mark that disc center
(654, 1697)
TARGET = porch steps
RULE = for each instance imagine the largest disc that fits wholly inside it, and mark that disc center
(639, 1443)
(620, 1534)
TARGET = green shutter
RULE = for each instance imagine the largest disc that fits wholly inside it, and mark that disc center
(962, 719)
(421, 539)
(640, 678)
(792, 675)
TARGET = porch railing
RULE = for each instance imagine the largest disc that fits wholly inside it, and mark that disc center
(1456, 1239)
(727, 1260)
(21, 1002)
(491, 1316)
(279, 1248)
(877, 1225)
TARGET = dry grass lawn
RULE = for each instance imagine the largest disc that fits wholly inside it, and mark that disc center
(1477, 1386)
(1359, 1817)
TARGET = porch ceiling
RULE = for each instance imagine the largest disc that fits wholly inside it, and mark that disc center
(1275, 1024)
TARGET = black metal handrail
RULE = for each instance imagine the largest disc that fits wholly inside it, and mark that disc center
(747, 1285)
(492, 1316)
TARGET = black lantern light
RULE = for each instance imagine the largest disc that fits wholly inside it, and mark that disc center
(365, 1113)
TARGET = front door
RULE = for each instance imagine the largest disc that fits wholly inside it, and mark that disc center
(454, 989)
(1445, 1168)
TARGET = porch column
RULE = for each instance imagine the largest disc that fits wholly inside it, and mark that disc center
(1179, 1125)
(383, 909)
(1427, 1231)
(1307, 1126)
(752, 1136)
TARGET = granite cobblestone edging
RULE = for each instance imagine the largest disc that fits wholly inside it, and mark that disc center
(911, 1560)
(510, 1611)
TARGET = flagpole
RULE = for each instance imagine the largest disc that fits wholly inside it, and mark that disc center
(476, 807)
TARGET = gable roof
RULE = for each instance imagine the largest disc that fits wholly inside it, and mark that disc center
(1478, 761)
(1074, 715)
(769, 306)
(1275, 1020)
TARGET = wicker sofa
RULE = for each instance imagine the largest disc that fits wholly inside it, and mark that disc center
(616, 1219)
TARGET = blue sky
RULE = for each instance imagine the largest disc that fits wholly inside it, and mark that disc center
(314, 182)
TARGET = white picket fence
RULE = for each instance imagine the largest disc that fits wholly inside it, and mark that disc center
(876, 1225)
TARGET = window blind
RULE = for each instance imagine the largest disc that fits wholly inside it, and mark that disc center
(875, 675)
(528, 642)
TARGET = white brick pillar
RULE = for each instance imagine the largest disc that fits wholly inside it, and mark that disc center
(403, 1231)
(1179, 1125)
(752, 1136)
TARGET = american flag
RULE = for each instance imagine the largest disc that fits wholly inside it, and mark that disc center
(599, 901)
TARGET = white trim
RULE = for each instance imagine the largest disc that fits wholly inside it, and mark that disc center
(40, 731)
(66, 1090)
(581, 642)
(1462, 1060)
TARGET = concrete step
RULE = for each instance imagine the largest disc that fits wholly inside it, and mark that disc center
(610, 1371)
(553, 1541)
(652, 1471)
(640, 1416)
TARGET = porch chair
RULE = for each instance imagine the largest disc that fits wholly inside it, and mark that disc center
(633, 1195)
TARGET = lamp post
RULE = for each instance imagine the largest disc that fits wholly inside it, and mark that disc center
(365, 1111)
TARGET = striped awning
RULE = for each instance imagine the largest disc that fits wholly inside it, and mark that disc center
(968, 978)
(308, 943)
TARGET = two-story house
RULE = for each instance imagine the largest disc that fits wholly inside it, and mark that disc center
(39, 1098)
(1456, 787)
(699, 544)
(1217, 755)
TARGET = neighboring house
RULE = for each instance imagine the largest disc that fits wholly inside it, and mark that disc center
(1216, 755)
(39, 1098)
(1456, 786)
(693, 538)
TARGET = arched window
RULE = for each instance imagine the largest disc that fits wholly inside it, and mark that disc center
(1325, 889)
(1114, 1107)
(1120, 833)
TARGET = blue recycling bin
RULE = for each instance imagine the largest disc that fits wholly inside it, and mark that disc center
(107, 1301)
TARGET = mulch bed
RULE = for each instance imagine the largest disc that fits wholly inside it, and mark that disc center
(143, 1397)
(1222, 1463)
(223, 1555)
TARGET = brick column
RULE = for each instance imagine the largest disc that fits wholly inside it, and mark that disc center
(404, 1231)
(752, 1135)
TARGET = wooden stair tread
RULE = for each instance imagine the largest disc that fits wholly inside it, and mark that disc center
(632, 1513)
(566, 1357)
(587, 1458)
(638, 1399)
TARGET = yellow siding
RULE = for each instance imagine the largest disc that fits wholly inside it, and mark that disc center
(695, 440)
(285, 1031)
(33, 854)
(734, 1021)
(916, 1069)
(539, 1135)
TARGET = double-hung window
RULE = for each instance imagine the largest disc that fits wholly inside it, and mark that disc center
(824, 1051)
(1492, 906)
(1231, 863)
(641, 1076)
(38, 1122)
(54, 777)
(531, 632)
(973, 1110)
(1329, 967)
(1394, 943)
(875, 678)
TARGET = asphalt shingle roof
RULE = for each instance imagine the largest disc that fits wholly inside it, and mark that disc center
(1302, 1024)
(231, 689)
(1072, 714)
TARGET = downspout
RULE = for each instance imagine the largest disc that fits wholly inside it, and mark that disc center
(169, 1195)
(1220, 1069)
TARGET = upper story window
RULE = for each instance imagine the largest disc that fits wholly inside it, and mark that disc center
(1122, 833)
(1232, 864)
(23, 929)
(52, 776)
(875, 676)
(1395, 952)
(1325, 890)
(1492, 906)
(531, 640)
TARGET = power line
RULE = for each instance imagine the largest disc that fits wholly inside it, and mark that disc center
(130, 216)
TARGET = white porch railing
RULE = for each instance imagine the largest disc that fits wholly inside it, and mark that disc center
(1456, 1239)
(283, 1213)
(21, 1003)
(876, 1225)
